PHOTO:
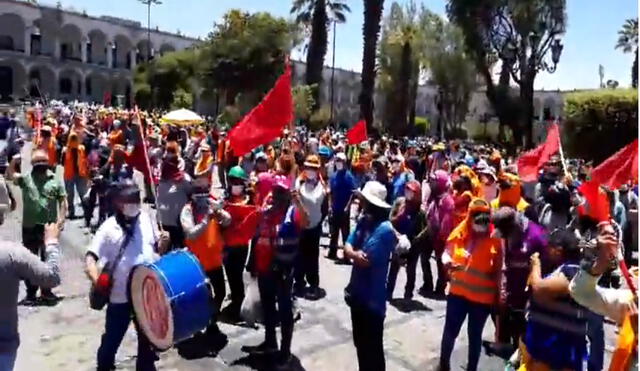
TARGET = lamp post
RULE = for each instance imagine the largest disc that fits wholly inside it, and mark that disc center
(148, 3)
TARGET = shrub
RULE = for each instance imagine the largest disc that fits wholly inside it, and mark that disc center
(320, 119)
(422, 126)
(599, 122)
(181, 99)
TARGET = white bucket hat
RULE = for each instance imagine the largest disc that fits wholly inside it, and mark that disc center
(376, 193)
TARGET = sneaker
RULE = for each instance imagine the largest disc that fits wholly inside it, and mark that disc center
(313, 294)
(299, 292)
(49, 299)
(28, 301)
(262, 348)
(425, 292)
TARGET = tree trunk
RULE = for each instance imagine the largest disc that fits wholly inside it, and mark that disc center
(370, 33)
(634, 71)
(526, 98)
(405, 84)
(317, 49)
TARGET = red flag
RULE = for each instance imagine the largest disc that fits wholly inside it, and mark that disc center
(106, 98)
(530, 162)
(597, 202)
(265, 121)
(619, 168)
(358, 133)
(139, 157)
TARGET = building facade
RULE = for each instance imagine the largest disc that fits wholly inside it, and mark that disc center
(55, 53)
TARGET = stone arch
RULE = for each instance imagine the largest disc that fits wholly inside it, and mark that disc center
(96, 84)
(43, 40)
(12, 30)
(42, 81)
(121, 90)
(142, 48)
(122, 52)
(96, 47)
(70, 82)
(167, 48)
(13, 79)
(71, 42)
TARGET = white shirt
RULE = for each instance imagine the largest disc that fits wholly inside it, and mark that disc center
(312, 197)
(140, 250)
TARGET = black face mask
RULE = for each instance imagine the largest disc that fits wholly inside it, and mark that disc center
(40, 169)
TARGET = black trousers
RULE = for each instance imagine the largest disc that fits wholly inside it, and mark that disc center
(429, 247)
(412, 262)
(368, 330)
(276, 288)
(308, 259)
(33, 239)
(512, 324)
(235, 258)
(216, 278)
(338, 223)
(176, 235)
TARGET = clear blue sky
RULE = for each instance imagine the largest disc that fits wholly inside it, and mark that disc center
(589, 41)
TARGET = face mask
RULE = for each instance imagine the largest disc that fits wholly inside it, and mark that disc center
(395, 167)
(490, 191)
(131, 210)
(40, 169)
(408, 195)
(236, 190)
(311, 174)
(339, 166)
(201, 200)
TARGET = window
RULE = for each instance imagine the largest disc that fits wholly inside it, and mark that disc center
(87, 85)
(6, 42)
(65, 85)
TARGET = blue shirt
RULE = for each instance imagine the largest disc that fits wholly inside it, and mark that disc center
(342, 185)
(368, 285)
(397, 184)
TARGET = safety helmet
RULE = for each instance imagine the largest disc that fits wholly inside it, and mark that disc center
(238, 172)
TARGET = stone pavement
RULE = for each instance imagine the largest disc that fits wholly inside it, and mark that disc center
(66, 337)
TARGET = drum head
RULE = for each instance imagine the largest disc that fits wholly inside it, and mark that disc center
(152, 307)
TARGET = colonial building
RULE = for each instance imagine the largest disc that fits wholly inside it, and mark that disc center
(55, 53)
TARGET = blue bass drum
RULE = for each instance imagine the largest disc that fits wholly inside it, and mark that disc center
(171, 299)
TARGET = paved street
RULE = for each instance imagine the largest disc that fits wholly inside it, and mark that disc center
(65, 337)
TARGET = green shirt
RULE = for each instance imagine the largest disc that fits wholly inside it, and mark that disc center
(40, 198)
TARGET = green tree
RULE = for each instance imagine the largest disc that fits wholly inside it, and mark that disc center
(370, 34)
(317, 15)
(303, 101)
(628, 42)
(402, 48)
(519, 34)
(245, 53)
(156, 82)
(450, 69)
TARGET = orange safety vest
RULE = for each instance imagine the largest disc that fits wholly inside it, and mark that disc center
(204, 164)
(50, 147)
(208, 246)
(83, 168)
(626, 348)
(476, 280)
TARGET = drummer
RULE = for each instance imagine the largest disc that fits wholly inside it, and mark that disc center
(202, 220)
(143, 247)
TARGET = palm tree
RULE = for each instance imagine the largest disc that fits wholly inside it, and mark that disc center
(628, 42)
(370, 33)
(318, 14)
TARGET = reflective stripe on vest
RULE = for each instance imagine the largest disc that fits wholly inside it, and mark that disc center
(474, 288)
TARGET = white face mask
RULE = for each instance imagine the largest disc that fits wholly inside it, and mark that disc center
(311, 174)
(408, 195)
(490, 191)
(131, 210)
(395, 166)
(339, 165)
(236, 190)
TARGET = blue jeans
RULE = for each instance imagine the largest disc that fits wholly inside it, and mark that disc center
(458, 308)
(595, 335)
(8, 360)
(119, 317)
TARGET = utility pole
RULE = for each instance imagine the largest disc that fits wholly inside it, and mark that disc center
(333, 67)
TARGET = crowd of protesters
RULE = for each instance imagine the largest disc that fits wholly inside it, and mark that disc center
(530, 256)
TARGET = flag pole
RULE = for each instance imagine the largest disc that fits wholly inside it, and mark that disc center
(564, 166)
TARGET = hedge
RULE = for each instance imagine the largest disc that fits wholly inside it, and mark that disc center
(599, 122)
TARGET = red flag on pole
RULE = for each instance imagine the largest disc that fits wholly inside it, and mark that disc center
(139, 158)
(106, 98)
(265, 121)
(618, 169)
(358, 133)
(530, 162)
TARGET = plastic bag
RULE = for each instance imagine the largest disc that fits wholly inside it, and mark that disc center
(251, 310)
